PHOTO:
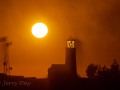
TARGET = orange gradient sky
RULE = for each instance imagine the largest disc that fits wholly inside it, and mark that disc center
(95, 23)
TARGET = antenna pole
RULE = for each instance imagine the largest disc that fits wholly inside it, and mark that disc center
(6, 64)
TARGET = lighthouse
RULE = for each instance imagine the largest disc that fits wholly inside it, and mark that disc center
(70, 60)
(67, 71)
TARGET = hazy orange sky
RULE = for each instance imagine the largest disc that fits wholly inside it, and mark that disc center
(95, 23)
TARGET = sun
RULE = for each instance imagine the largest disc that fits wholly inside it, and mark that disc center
(39, 30)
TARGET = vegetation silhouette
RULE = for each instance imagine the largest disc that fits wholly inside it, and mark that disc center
(91, 70)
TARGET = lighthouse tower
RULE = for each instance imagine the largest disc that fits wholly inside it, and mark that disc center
(70, 61)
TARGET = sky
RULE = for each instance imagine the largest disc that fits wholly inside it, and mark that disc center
(93, 23)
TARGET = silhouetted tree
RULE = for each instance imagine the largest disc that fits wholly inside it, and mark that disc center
(114, 70)
(103, 72)
(115, 66)
(91, 70)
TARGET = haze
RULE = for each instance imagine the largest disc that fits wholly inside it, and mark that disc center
(95, 24)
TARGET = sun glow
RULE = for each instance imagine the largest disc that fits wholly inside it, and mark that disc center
(39, 30)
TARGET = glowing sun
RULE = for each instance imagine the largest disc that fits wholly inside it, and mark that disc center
(39, 30)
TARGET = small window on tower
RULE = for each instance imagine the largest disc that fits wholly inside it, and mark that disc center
(73, 44)
(68, 44)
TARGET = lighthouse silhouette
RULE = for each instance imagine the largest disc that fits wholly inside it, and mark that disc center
(70, 60)
(67, 70)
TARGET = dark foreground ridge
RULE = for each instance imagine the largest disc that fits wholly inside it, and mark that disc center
(60, 83)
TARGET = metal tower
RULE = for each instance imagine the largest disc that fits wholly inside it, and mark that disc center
(6, 64)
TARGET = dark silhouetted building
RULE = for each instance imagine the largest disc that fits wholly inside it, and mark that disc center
(67, 70)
